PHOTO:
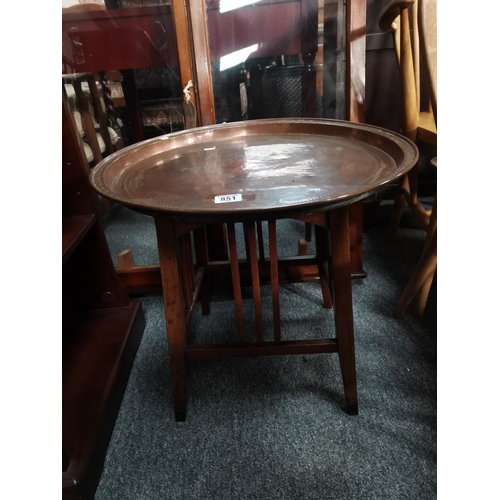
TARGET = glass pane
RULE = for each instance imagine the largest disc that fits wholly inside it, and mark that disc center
(138, 42)
(275, 58)
(125, 53)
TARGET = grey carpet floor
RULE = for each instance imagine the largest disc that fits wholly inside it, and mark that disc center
(273, 428)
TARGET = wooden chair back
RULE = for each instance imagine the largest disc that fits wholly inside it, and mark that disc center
(93, 110)
(427, 16)
(418, 287)
(415, 41)
(401, 17)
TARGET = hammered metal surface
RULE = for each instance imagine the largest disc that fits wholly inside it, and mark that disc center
(277, 165)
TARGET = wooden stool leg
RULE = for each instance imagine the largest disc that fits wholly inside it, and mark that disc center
(174, 312)
(342, 291)
(423, 293)
(426, 267)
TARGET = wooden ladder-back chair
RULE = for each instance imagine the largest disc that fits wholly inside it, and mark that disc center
(401, 18)
(93, 111)
(421, 280)
(91, 100)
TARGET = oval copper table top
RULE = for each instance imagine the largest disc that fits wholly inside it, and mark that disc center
(256, 169)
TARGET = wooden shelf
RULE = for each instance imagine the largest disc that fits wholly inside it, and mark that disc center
(73, 231)
(98, 352)
(101, 327)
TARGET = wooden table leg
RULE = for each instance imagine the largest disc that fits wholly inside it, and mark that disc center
(342, 294)
(174, 311)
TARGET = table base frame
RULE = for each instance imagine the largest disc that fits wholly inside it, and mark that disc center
(184, 284)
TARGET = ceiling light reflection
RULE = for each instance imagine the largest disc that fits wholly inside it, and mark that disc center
(234, 58)
(227, 5)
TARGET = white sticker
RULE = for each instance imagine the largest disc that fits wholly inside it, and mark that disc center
(228, 198)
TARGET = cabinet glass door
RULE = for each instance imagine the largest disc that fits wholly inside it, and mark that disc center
(132, 44)
(277, 58)
(245, 59)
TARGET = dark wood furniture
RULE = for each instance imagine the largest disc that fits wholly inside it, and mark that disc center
(178, 35)
(421, 280)
(101, 327)
(123, 39)
(307, 169)
(417, 119)
(99, 119)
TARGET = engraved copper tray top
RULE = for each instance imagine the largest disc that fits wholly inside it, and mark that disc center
(255, 169)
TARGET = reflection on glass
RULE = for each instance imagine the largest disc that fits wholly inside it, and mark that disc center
(292, 63)
(261, 51)
(227, 5)
(238, 57)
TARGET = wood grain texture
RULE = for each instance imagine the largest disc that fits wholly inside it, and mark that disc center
(342, 296)
(355, 59)
(235, 276)
(249, 228)
(174, 310)
(273, 261)
(198, 26)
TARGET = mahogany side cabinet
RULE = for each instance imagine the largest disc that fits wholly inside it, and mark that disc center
(101, 327)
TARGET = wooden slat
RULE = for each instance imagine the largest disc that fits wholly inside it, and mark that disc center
(249, 228)
(235, 275)
(260, 238)
(291, 270)
(322, 256)
(201, 252)
(316, 346)
(273, 260)
(407, 81)
(100, 114)
(190, 262)
(184, 272)
(198, 282)
(147, 279)
(87, 121)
